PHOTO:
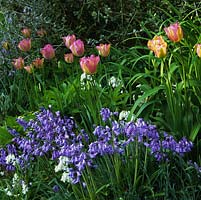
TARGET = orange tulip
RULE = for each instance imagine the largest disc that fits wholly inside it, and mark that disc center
(103, 49)
(26, 32)
(18, 63)
(68, 57)
(198, 49)
(29, 69)
(38, 62)
(158, 46)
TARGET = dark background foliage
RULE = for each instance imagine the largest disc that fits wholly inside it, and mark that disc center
(95, 20)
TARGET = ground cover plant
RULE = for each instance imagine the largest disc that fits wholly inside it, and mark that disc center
(106, 114)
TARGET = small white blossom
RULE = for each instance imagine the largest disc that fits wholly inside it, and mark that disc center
(8, 192)
(114, 82)
(10, 159)
(123, 115)
(15, 180)
(2, 173)
(24, 188)
(62, 165)
(65, 177)
(86, 80)
(85, 76)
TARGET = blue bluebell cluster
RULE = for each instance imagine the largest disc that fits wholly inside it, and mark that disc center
(50, 134)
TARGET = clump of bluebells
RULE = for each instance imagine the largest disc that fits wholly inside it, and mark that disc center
(72, 149)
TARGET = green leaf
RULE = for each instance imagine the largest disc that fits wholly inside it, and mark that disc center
(5, 136)
(2, 18)
(143, 97)
(194, 132)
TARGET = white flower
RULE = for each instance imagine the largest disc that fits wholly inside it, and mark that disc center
(114, 82)
(10, 159)
(15, 180)
(8, 192)
(65, 177)
(85, 76)
(63, 164)
(2, 173)
(123, 115)
(86, 80)
(24, 188)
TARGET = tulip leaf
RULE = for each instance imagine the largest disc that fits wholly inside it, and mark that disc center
(2, 18)
(5, 136)
(195, 132)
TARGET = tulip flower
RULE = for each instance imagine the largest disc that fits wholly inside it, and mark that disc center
(77, 48)
(25, 45)
(29, 69)
(198, 49)
(48, 51)
(68, 57)
(38, 62)
(6, 45)
(41, 32)
(158, 46)
(26, 32)
(18, 63)
(174, 32)
(103, 49)
(68, 40)
(89, 64)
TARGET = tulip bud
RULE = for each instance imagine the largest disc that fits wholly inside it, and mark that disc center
(29, 69)
(68, 40)
(68, 57)
(38, 62)
(158, 46)
(89, 64)
(18, 63)
(103, 49)
(198, 49)
(41, 32)
(174, 32)
(6, 45)
(48, 51)
(26, 32)
(77, 48)
(25, 45)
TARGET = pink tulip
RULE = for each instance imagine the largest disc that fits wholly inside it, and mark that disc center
(103, 49)
(77, 48)
(29, 69)
(48, 51)
(68, 57)
(174, 32)
(26, 32)
(68, 40)
(25, 45)
(38, 62)
(198, 49)
(18, 63)
(89, 64)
